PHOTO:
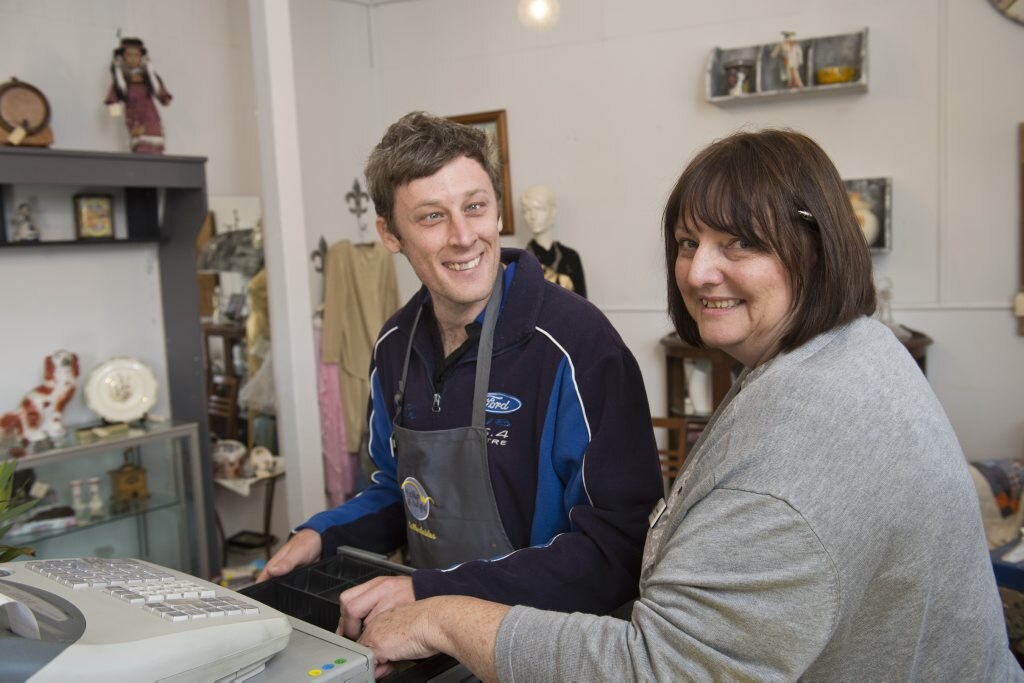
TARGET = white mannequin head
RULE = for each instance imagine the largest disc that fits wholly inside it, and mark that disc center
(539, 210)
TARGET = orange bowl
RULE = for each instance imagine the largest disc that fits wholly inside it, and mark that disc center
(835, 74)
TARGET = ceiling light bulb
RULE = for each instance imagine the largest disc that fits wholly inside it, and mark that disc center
(538, 14)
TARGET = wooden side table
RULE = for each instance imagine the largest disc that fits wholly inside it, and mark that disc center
(676, 351)
(918, 345)
(254, 540)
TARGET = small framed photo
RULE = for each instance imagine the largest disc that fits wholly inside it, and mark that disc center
(94, 216)
(494, 126)
(872, 205)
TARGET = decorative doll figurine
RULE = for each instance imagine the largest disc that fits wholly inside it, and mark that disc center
(792, 60)
(561, 264)
(135, 84)
(740, 86)
(24, 228)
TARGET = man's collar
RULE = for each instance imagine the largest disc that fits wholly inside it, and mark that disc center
(508, 274)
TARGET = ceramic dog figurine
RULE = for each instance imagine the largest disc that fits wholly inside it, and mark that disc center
(39, 415)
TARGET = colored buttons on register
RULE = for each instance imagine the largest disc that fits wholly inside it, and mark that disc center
(313, 673)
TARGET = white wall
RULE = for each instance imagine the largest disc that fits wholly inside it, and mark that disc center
(338, 117)
(608, 106)
(104, 301)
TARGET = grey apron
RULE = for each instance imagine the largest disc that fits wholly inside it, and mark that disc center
(450, 511)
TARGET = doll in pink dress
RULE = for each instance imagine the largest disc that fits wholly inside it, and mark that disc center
(134, 85)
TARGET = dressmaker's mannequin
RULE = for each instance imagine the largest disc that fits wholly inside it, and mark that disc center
(562, 265)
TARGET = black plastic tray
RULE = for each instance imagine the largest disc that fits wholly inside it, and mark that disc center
(311, 593)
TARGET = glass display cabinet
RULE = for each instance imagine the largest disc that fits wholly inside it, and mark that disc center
(136, 493)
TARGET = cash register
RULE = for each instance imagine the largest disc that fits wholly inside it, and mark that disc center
(102, 619)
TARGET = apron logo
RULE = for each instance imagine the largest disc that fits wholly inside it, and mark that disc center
(502, 404)
(416, 499)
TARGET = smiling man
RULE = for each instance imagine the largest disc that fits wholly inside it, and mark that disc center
(508, 421)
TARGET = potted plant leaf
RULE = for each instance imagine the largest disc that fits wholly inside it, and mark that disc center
(10, 510)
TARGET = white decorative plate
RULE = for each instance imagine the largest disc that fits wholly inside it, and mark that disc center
(121, 389)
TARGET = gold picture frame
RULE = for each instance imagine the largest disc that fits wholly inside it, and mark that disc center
(94, 216)
(494, 125)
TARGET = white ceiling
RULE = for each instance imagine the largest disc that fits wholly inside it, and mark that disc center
(375, 3)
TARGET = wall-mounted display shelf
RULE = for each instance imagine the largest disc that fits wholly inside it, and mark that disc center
(140, 182)
(830, 64)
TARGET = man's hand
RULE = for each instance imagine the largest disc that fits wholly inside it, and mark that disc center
(365, 601)
(303, 548)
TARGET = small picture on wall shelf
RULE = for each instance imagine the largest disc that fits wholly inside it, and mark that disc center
(94, 216)
(871, 199)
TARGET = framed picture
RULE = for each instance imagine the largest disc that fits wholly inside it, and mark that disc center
(872, 204)
(94, 216)
(1018, 302)
(493, 124)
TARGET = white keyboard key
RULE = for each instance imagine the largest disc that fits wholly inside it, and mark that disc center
(175, 616)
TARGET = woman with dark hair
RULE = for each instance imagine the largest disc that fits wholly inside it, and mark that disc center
(134, 85)
(825, 525)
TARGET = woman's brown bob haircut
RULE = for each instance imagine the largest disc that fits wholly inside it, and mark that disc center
(778, 190)
(416, 146)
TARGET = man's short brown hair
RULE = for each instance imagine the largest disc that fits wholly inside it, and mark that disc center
(416, 146)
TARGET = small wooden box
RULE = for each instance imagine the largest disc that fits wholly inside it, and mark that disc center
(128, 484)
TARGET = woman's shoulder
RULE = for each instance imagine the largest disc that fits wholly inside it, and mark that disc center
(858, 361)
(852, 396)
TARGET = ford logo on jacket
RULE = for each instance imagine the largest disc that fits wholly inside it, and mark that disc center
(502, 403)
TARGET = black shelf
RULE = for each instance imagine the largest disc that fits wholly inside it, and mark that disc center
(79, 243)
(164, 200)
(43, 166)
(148, 181)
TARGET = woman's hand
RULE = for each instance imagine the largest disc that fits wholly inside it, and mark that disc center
(465, 628)
(401, 633)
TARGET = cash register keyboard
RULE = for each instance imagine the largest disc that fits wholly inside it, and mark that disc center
(155, 591)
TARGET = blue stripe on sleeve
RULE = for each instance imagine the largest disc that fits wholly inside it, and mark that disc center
(563, 443)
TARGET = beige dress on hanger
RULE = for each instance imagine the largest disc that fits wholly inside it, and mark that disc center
(360, 294)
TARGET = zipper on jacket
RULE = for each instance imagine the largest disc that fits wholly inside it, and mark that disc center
(436, 407)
